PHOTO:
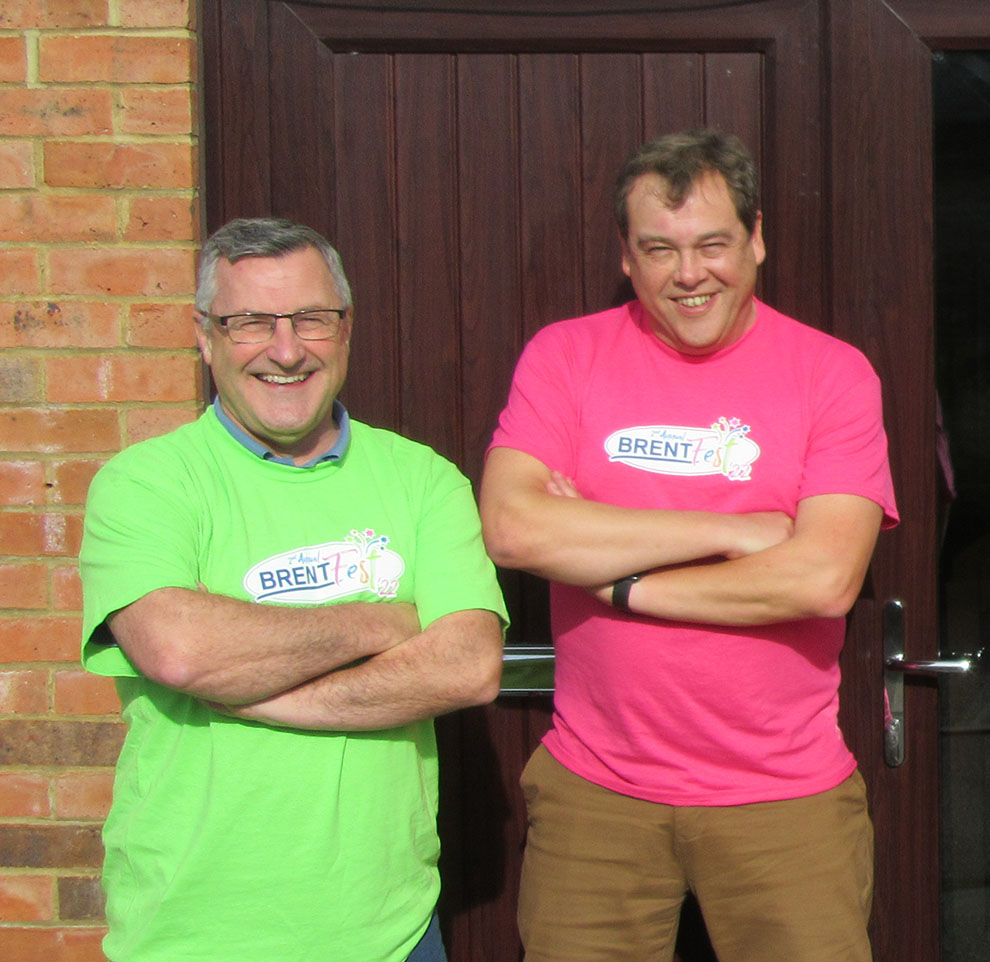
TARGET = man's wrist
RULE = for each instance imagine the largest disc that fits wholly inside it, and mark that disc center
(621, 589)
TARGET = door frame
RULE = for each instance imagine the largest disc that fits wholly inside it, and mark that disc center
(861, 130)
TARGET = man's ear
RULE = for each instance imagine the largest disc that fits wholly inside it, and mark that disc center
(756, 239)
(626, 257)
(202, 338)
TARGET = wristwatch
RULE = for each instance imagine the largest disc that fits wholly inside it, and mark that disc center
(621, 588)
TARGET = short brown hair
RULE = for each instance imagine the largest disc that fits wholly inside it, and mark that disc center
(680, 159)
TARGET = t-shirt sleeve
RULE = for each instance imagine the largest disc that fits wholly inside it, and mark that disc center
(137, 538)
(847, 446)
(540, 416)
(453, 571)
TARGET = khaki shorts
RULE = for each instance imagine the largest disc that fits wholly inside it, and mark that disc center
(604, 875)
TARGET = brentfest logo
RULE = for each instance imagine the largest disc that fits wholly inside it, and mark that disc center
(724, 448)
(326, 572)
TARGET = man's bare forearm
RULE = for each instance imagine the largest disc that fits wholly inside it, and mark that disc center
(565, 538)
(233, 651)
(816, 574)
(455, 663)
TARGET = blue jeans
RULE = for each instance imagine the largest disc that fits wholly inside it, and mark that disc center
(430, 947)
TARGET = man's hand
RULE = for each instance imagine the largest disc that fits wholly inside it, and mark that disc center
(759, 531)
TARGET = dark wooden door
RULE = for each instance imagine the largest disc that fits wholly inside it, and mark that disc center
(461, 155)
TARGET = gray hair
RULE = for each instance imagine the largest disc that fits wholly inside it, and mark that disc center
(681, 159)
(261, 237)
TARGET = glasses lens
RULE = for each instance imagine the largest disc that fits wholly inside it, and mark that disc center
(316, 325)
(250, 328)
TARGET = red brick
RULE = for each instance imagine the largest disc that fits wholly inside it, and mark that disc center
(77, 692)
(41, 640)
(157, 13)
(81, 795)
(24, 692)
(162, 218)
(62, 532)
(67, 944)
(36, 533)
(110, 165)
(73, 744)
(70, 480)
(22, 482)
(61, 112)
(21, 533)
(27, 898)
(122, 272)
(63, 431)
(54, 14)
(66, 588)
(48, 217)
(162, 112)
(150, 422)
(80, 898)
(24, 795)
(17, 164)
(126, 377)
(160, 325)
(13, 59)
(59, 324)
(20, 380)
(50, 845)
(115, 58)
(23, 586)
(18, 272)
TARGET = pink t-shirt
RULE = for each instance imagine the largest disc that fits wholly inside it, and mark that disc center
(691, 714)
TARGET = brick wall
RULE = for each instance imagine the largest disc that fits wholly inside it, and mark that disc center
(98, 223)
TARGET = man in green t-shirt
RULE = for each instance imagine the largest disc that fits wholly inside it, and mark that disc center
(286, 598)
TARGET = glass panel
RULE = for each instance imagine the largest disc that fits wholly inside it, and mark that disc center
(961, 87)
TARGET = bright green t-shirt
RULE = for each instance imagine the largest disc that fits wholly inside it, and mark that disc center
(232, 841)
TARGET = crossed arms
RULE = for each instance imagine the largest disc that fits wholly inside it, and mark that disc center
(705, 567)
(347, 666)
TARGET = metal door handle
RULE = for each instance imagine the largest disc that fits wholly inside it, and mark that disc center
(896, 666)
(940, 666)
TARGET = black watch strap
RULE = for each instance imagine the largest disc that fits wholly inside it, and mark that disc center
(621, 588)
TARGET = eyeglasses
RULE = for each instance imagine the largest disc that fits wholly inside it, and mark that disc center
(313, 325)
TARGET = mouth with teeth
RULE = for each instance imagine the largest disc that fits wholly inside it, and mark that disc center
(697, 300)
(282, 378)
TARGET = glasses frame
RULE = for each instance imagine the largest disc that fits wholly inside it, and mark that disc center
(221, 320)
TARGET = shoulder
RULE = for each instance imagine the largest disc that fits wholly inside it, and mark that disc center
(810, 346)
(588, 327)
(160, 458)
(374, 443)
(580, 343)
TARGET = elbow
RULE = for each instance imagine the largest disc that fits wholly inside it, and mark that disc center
(486, 681)
(165, 662)
(156, 646)
(511, 540)
(481, 679)
(833, 596)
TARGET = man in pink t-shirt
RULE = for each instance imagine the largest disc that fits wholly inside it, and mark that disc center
(702, 480)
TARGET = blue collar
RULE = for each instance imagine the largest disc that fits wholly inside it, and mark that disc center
(335, 453)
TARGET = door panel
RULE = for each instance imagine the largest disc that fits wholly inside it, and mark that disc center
(462, 160)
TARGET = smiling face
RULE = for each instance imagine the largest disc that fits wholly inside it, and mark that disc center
(280, 392)
(693, 267)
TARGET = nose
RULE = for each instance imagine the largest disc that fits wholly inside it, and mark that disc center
(690, 269)
(286, 347)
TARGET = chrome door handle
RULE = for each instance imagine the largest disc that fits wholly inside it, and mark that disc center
(940, 666)
(896, 666)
